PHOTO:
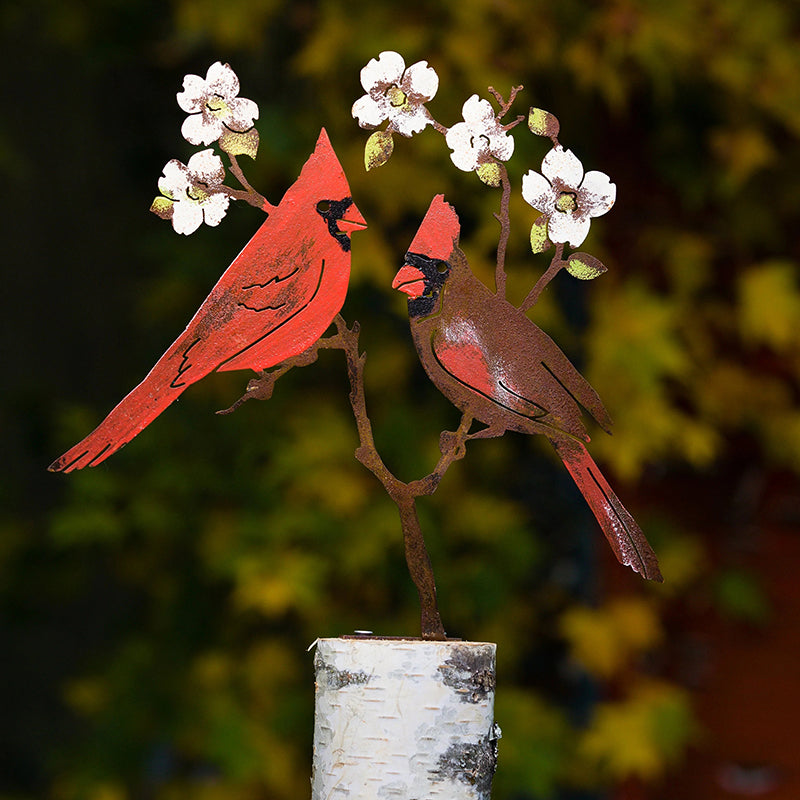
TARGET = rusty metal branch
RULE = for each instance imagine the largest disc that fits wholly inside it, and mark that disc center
(506, 105)
(556, 265)
(505, 232)
(452, 446)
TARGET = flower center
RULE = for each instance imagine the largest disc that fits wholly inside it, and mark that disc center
(197, 194)
(397, 97)
(216, 106)
(566, 202)
(479, 142)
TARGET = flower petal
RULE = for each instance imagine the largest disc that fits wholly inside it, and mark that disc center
(563, 164)
(187, 217)
(478, 114)
(420, 81)
(199, 129)
(384, 70)
(410, 120)
(502, 146)
(537, 191)
(563, 228)
(215, 208)
(243, 114)
(205, 167)
(597, 193)
(174, 180)
(192, 98)
(222, 80)
(459, 140)
(368, 112)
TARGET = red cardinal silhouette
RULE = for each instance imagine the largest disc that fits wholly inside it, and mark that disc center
(273, 302)
(496, 366)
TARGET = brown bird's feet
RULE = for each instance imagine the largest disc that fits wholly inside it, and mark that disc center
(451, 443)
(493, 431)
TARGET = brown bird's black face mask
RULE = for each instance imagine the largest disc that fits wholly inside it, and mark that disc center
(422, 279)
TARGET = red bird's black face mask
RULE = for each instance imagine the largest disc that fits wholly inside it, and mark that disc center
(422, 279)
(332, 211)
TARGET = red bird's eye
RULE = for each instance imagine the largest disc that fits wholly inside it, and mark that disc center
(324, 206)
(442, 267)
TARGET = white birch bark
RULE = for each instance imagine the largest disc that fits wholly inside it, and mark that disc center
(404, 719)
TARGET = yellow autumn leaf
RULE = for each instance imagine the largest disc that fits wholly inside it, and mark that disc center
(107, 790)
(742, 151)
(769, 304)
(212, 670)
(286, 581)
(240, 144)
(606, 638)
(87, 696)
(641, 735)
(489, 174)
(620, 742)
(683, 560)
(378, 149)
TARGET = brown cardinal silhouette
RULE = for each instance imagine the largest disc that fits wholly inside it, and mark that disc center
(273, 302)
(499, 368)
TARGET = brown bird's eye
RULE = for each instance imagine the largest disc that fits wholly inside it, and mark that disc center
(324, 206)
(442, 267)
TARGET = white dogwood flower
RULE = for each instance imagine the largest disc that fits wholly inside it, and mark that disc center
(480, 138)
(568, 196)
(187, 192)
(396, 93)
(213, 106)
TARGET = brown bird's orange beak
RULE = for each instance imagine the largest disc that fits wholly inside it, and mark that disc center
(409, 280)
(353, 220)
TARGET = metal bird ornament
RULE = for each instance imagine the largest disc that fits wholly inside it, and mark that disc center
(483, 353)
(500, 369)
(278, 296)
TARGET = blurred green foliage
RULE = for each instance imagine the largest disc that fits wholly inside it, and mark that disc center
(158, 608)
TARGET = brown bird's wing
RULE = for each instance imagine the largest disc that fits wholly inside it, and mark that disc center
(492, 349)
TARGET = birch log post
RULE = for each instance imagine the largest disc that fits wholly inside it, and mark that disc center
(404, 719)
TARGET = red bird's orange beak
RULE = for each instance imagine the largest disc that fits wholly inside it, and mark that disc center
(409, 280)
(353, 221)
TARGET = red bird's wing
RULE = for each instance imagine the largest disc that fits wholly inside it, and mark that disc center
(256, 316)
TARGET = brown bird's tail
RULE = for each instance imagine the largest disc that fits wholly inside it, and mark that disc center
(128, 418)
(623, 533)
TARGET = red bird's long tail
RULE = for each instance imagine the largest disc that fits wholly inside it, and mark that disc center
(623, 533)
(132, 414)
